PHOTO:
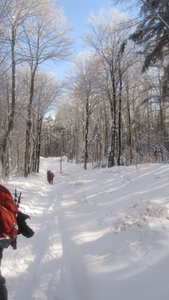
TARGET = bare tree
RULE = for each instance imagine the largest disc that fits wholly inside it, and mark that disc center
(82, 83)
(46, 37)
(107, 36)
(47, 94)
(14, 14)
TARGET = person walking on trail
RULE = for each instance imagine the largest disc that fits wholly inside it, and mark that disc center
(50, 176)
(12, 223)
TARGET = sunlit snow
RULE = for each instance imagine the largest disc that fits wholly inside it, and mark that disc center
(100, 234)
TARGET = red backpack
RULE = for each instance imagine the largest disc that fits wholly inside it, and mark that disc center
(8, 210)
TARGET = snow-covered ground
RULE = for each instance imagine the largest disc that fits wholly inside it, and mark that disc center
(100, 234)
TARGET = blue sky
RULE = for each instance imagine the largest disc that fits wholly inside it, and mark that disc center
(77, 13)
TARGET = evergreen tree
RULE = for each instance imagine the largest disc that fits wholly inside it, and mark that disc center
(152, 33)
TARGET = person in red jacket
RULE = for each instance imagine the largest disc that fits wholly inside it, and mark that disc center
(12, 223)
(51, 176)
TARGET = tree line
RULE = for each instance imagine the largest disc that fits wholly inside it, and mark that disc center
(117, 91)
(31, 33)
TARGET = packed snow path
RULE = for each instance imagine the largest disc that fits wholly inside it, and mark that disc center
(75, 254)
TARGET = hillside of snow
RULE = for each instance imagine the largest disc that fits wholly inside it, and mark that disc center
(100, 234)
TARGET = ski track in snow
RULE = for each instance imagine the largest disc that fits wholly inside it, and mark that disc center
(73, 262)
(51, 251)
(55, 244)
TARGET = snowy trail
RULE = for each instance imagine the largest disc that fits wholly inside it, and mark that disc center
(56, 270)
(74, 254)
(73, 262)
(48, 277)
(45, 255)
(47, 262)
(67, 274)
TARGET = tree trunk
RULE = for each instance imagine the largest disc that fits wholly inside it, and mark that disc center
(86, 135)
(28, 128)
(111, 157)
(10, 124)
(119, 121)
(38, 143)
(129, 128)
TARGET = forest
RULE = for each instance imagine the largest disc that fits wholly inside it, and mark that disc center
(112, 106)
